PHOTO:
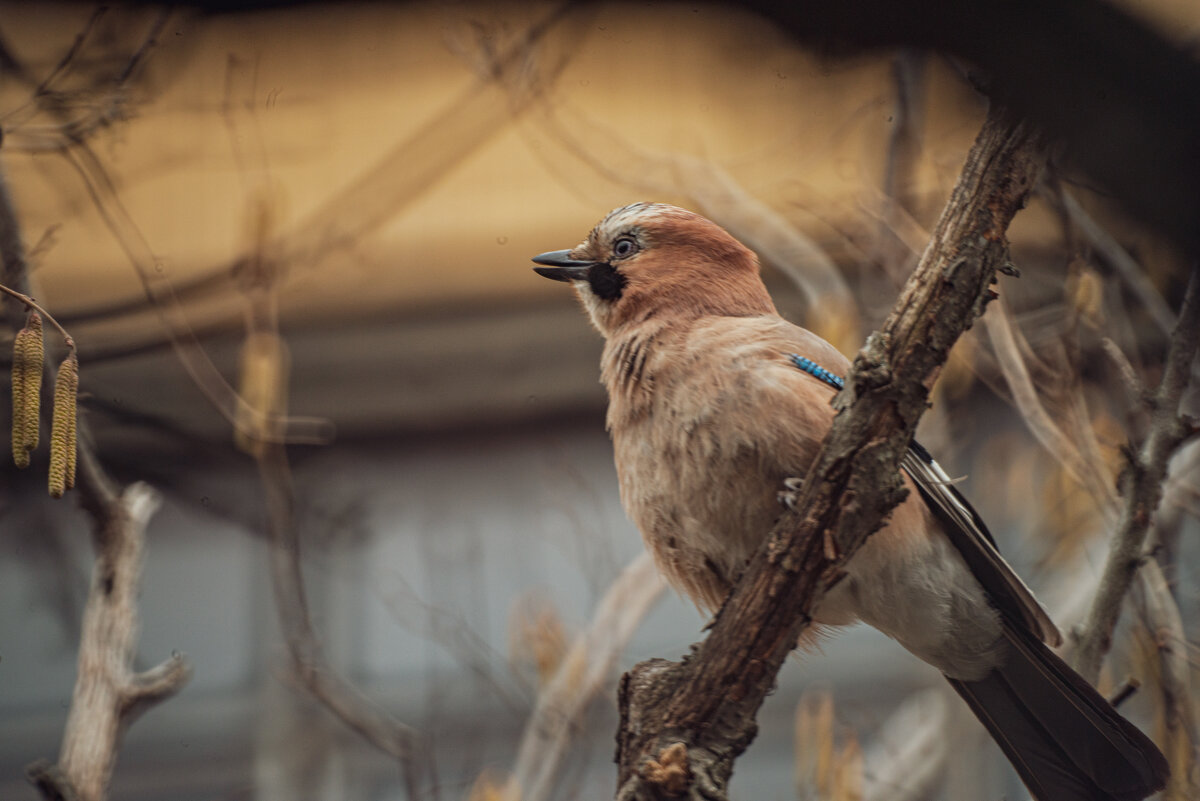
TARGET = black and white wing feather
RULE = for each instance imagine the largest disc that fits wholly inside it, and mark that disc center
(963, 526)
(974, 543)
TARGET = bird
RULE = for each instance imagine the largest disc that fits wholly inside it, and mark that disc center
(717, 404)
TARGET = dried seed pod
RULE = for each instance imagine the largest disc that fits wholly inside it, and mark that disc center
(62, 428)
(28, 353)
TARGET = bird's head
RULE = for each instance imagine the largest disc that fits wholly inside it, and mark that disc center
(651, 260)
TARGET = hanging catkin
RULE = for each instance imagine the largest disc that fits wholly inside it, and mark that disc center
(62, 428)
(28, 353)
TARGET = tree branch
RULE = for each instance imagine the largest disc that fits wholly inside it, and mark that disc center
(1132, 123)
(705, 705)
(1076, 447)
(583, 671)
(108, 696)
(310, 665)
(1141, 485)
(1166, 648)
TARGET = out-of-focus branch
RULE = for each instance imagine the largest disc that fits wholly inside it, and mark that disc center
(908, 757)
(1078, 451)
(263, 402)
(1120, 260)
(583, 671)
(1134, 124)
(898, 187)
(711, 189)
(106, 103)
(309, 662)
(70, 139)
(683, 725)
(108, 694)
(310, 666)
(1168, 653)
(1141, 487)
(408, 170)
(207, 378)
(47, 316)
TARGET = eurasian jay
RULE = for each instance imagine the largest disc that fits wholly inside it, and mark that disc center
(716, 403)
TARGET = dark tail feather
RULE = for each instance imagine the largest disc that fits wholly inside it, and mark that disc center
(1066, 742)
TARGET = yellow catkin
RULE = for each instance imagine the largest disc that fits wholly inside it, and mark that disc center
(72, 451)
(263, 389)
(20, 455)
(62, 428)
(28, 352)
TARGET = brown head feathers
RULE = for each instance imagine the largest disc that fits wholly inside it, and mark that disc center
(651, 260)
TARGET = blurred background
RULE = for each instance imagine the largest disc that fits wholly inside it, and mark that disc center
(329, 210)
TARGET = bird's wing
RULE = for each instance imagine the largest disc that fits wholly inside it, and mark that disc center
(974, 542)
(960, 521)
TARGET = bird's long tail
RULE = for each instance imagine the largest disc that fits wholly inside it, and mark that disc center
(1065, 740)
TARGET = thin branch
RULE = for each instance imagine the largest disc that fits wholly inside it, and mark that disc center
(110, 105)
(1120, 260)
(1142, 487)
(1117, 66)
(909, 754)
(1077, 450)
(706, 705)
(157, 286)
(43, 88)
(107, 694)
(716, 194)
(1167, 651)
(1125, 691)
(1129, 377)
(583, 671)
(28, 301)
(310, 664)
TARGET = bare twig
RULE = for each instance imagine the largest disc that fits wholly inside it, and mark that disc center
(1126, 691)
(311, 666)
(718, 195)
(1167, 650)
(157, 285)
(263, 397)
(582, 673)
(108, 695)
(1129, 377)
(898, 186)
(708, 702)
(1077, 450)
(28, 301)
(1117, 66)
(108, 104)
(1141, 485)
(1120, 260)
(42, 90)
(909, 754)
(13, 263)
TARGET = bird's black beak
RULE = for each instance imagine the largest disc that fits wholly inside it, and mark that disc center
(561, 267)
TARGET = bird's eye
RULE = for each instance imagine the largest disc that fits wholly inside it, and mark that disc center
(625, 246)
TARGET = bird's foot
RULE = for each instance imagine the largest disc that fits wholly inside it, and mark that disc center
(789, 496)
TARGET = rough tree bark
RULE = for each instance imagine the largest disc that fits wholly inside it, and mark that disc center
(683, 724)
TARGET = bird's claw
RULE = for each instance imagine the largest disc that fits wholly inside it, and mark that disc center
(789, 496)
